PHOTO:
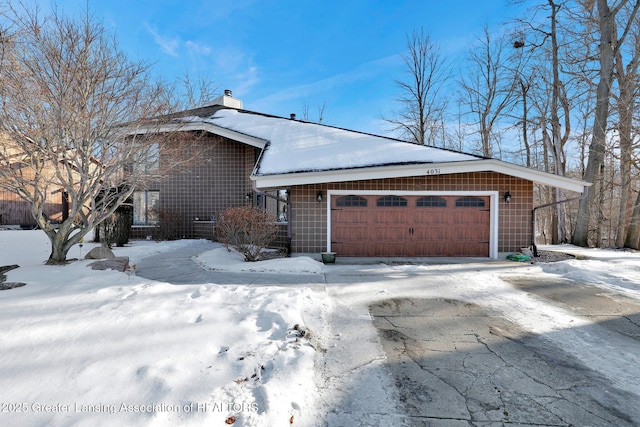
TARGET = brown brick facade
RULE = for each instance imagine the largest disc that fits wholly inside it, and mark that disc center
(216, 180)
(220, 179)
(309, 221)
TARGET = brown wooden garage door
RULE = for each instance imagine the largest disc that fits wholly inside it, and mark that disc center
(410, 226)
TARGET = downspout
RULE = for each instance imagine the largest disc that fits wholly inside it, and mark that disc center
(534, 248)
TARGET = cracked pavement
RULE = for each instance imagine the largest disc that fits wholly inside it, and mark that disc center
(455, 363)
(429, 344)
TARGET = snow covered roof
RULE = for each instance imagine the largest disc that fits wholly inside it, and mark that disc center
(296, 152)
(297, 146)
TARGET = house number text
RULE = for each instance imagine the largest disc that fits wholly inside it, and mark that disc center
(433, 171)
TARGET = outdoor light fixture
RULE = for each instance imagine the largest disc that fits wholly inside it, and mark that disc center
(319, 197)
(507, 197)
(248, 196)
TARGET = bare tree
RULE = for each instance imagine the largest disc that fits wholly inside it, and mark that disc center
(609, 44)
(306, 116)
(552, 99)
(420, 119)
(488, 88)
(628, 77)
(633, 233)
(188, 93)
(64, 84)
(524, 86)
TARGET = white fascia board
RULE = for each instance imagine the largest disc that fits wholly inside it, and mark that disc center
(197, 126)
(343, 175)
(539, 177)
(401, 171)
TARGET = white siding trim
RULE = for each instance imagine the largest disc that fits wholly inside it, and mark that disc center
(196, 126)
(430, 169)
(493, 203)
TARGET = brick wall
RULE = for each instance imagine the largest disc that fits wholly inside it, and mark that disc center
(217, 179)
(308, 216)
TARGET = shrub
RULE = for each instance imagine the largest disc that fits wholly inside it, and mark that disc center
(170, 225)
(248, 229)
(116, 229)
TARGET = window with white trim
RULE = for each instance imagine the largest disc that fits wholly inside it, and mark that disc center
(145, 207)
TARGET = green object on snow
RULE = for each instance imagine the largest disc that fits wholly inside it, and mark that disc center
(518, 257)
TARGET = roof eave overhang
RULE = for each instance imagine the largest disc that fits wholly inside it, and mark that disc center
(400, 171)
(195, 127)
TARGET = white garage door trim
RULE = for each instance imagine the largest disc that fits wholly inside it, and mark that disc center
(493, 226)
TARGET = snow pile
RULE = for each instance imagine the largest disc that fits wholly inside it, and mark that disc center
(101, 348)
(85, 347)
(222, 259)
(614, 270)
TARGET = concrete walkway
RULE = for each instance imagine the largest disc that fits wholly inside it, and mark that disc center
(178, 268)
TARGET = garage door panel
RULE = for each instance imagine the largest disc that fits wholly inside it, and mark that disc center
(423, 226)
(432, 249)
(353, 233)
(462, 216)
(468, 234)
(351, 216)
(431, 216)
(389, 248)
(435, 233)
(392, 233)
(390, 216)
(469, 249)
(353, 248)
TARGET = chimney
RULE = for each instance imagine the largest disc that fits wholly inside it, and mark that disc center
(293, 116)
(227, 100)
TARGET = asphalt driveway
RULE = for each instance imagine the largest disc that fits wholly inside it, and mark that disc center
(400, 348)
(457, 364)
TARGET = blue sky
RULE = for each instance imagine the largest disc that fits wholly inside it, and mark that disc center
(278, 56)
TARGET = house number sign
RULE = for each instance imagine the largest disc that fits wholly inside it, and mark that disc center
(435, 171)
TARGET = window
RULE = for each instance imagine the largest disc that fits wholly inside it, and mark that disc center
(470, 202)
(392, 201)
(431, 201)
(145, 207)
(274, 202)
(146, 159)
(351, 201)
(283, 196)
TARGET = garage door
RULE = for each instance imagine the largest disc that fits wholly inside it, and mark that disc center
(410, 226)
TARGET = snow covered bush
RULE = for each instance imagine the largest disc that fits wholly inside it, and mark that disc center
(248, 229)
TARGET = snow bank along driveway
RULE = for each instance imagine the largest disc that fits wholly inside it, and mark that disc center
(101, 348)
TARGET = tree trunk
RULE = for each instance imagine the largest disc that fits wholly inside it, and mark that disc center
(633, 234)
(594, 173)
(557, 140)
(595, 162)
(58, 255)
(625, 181)
(525, 120)
(627, 77)
(59, 246)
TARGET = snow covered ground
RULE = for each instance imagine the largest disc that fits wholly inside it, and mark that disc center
(80, 347)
